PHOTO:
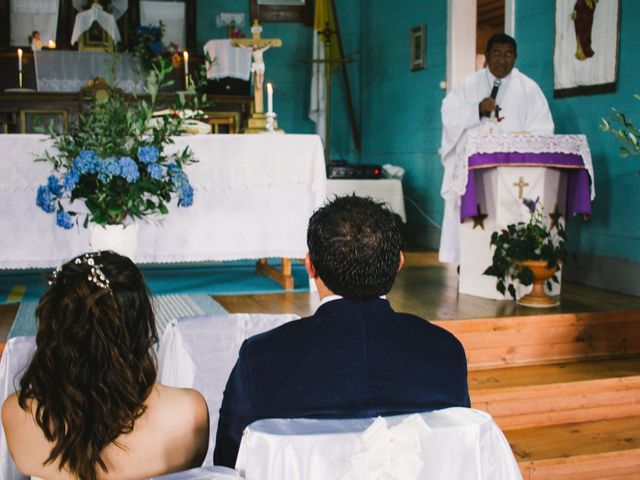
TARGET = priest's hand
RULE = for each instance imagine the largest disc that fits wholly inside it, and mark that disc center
(486, 106)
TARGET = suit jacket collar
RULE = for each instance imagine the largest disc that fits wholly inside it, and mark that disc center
(347, 303)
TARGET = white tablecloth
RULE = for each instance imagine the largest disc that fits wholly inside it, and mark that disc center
(253, 198)
(388, 190)
(461, 444)
(69, 71)
(200, 352)
(228, 61)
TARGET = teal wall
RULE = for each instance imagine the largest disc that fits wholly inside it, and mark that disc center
(401, 108)
(614, 230)
(398, 111)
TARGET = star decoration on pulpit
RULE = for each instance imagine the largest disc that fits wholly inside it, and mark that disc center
(555, 217)
(478, 219)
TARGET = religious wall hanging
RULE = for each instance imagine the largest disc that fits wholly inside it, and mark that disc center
(282, 11)
(585, 57)
(418, 48)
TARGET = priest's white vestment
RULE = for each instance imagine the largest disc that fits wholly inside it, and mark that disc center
(523, 108)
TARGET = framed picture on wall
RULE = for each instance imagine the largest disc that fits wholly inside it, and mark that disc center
(418, 47)
(282, 11)
(585, 57)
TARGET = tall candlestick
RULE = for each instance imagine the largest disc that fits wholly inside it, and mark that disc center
(19, 59)
(185, 54)
(269, 98)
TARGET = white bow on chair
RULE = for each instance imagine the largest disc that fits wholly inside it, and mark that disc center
(389, 453)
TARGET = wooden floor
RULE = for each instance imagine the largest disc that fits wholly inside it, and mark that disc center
(428, 289)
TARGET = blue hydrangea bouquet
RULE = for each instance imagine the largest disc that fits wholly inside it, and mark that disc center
(115, 161)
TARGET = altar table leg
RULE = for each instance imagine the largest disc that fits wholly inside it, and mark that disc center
(282, 276)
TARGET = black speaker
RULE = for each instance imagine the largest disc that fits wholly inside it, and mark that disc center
(341, 169)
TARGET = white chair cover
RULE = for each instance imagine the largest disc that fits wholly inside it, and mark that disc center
(29, 15)
(172, 15)
(200, 352)
(15, 358)
(455, 443)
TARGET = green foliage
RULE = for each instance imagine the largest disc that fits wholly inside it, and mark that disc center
(525, 241)
(621, 126)
(115, 159)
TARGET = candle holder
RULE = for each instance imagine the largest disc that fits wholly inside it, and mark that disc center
(20, 79)
(186, 81)
(271, 122)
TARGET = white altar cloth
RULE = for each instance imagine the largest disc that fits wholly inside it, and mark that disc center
(462, 443)
(69, 71)
(228, 61)
(200, 352)
(253, 196)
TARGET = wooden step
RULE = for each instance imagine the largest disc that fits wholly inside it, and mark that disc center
(605, 449)
(540, 395)
(550, 338)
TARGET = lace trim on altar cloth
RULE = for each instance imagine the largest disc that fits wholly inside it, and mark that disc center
(519, 143)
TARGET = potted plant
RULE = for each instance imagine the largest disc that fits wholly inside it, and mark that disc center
(112, 167)
(529, 253)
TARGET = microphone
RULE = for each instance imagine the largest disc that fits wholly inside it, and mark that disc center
(496, 86)
(494, 93)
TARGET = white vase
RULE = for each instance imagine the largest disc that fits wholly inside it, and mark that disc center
(122, 239)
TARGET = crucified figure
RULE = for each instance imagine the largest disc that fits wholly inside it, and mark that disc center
(257, 66)
(257, 46)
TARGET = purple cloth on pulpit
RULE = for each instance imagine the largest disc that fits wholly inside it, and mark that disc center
(578, 181)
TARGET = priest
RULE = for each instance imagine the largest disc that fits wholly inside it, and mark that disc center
(498, 98)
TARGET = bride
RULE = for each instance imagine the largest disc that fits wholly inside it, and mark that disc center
(88, 406)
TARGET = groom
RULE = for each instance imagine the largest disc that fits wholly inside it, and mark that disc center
(355, 357)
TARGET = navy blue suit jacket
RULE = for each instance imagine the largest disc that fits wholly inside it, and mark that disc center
(350, 359)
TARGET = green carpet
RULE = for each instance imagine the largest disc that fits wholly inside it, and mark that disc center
(225, 278)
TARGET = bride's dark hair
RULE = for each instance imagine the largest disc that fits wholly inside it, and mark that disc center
(94, 365)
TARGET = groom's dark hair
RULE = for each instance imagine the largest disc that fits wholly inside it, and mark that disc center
(354, 244)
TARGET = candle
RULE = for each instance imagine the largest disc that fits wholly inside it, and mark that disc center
(185, 54)
(269, 98)
(19, 59)
(52, 44)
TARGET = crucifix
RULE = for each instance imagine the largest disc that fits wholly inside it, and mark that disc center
(520, 184)
(258, 46)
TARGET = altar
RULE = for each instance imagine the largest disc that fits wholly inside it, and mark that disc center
(253, 196)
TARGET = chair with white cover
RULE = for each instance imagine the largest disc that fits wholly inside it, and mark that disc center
(449, 444)
(15, 358)
(200, 352)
